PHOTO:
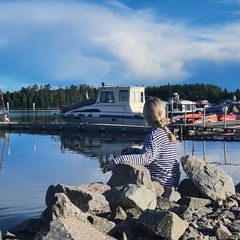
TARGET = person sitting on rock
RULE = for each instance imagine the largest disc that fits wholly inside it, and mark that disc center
(159, 153)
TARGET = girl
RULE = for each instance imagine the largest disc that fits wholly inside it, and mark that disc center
(159, 153)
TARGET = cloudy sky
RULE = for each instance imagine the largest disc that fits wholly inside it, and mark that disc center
(124, 42)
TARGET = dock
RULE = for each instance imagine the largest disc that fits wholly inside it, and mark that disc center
(72, 128)
(228, 130)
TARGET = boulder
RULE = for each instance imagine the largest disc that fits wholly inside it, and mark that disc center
(88, 198)
(163, 224)
(211, 181)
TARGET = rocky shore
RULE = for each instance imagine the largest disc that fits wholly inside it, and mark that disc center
(132, 207)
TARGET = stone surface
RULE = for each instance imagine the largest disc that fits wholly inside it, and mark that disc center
(211, 181)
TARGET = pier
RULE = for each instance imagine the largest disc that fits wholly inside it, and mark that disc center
(228, 130)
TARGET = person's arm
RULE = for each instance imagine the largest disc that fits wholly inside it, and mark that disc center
(144, 156)
(131, 150)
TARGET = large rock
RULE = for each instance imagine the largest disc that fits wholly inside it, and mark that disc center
(129, 173)
(131, 196)
(211, 181)
(163, 224)
(88, 198)
(131, 187)
(62, 207)
(69, 229)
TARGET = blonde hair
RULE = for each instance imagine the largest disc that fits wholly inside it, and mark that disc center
(155, 115)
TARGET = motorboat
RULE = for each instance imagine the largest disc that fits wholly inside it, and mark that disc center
(232, 113)
(113, 105)
(179, 107)
(4, 113)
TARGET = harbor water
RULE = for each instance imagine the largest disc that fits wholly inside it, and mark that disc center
(30, 163)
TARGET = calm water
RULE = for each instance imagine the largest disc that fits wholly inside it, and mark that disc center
(30, 163)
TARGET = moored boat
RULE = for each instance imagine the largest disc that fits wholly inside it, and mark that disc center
(4, 113)
(113, 105)
(227, 117)
(179, 107)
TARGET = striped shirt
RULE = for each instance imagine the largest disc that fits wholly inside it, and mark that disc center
(159, 155)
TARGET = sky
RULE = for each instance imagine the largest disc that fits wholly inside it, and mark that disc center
(119, 42)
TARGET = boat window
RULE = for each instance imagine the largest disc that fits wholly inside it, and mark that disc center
(142, 97)
(135, 97)
(107, 97)
(123, 95)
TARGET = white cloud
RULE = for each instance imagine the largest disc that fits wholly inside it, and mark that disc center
(64, 41)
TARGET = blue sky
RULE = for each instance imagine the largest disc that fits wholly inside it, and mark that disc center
(125, 42)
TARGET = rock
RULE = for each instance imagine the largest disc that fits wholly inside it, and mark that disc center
(129, 173)
(159, 189)
(194, 203)
(131, 187)
(102, 224)
(119, 214)
(163, 224)
(222, 232)
(85, 198)
(210, 180)
(186, 188)
(69, 229)
(131, 196)
(62, 207)
(171, 194)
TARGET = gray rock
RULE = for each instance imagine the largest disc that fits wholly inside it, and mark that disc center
(222, 232)
(194, 203)
(210, 180)
(102, 224)
(62, 207)
(131, 196)
(129, 173)
(163, 224)
(119, 214)
(171, 194)
(85, 199)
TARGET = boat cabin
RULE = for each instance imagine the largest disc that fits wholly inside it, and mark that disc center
(176, 106)
(133, 96)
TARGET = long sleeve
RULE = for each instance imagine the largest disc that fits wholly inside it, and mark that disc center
(159, 155)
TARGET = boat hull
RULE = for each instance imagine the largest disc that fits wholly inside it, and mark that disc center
(110, 119)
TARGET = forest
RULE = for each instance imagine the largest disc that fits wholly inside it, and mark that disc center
(44, 97)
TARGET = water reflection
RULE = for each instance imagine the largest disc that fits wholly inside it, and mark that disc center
(102, 146)
(37, 116)
(4, 138)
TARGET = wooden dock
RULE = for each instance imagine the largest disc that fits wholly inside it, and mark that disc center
(74, 128)
(183, 131)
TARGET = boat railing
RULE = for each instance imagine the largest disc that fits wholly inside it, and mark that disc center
(186, 119)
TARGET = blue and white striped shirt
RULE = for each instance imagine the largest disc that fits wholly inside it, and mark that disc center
(159, 155)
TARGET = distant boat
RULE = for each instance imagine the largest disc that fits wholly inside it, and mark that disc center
(195, 118)
(4, 113)
(178, 107)
(113, 105)
(232, 113)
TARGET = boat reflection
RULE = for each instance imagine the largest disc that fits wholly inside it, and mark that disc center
(102, 146)
(5, 142)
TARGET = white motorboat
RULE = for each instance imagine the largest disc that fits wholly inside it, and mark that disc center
(113, 105)
(179, 107)
(4, 113)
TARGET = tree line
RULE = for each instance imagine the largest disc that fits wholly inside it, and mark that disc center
(44, 97)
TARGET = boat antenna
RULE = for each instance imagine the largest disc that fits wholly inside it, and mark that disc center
(151, 65)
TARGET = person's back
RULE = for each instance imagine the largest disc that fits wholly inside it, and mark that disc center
(159, 151)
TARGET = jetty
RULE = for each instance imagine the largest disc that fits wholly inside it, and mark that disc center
(227, 130)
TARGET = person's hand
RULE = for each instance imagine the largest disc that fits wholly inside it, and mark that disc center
(124, 151)
(111, 165)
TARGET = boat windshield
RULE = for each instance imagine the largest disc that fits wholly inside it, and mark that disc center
(107, 97)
